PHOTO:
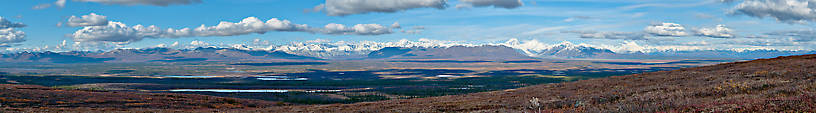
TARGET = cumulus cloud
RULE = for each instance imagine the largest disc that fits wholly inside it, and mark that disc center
(114, 32)
(660, 30)
(666, 29)
(120, 32)
(720, 31)
(396, 25)
(508, 4)
(245, 26)
(87, 20)
(8, 24)
(610, 35)
(144, 2)
(162, 45)
(787, 11)
(359, 29)
(349, 7)
(199, 43)
(9, 36)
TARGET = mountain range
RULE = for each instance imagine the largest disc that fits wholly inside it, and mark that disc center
(563, 50)
(455, 52)
(371, 50)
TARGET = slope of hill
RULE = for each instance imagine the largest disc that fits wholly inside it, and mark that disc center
(30, 96)
(766, 85)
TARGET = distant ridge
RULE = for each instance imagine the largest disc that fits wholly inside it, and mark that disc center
(486, 52)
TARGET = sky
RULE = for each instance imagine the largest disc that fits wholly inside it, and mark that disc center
(62, 25)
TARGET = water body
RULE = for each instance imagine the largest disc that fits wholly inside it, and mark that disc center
(281, 63)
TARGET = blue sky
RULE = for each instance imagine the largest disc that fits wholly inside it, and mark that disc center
(594, 22)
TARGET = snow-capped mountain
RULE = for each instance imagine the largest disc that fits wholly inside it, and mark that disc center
(564, 49)
(343, 50)
(324, 49)
(485, 52)
(533, 48)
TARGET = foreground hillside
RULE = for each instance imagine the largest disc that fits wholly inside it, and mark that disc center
(769, 85)
(779, 84)
(30, 96)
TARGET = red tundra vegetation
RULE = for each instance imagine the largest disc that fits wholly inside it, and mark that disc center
(39, 97)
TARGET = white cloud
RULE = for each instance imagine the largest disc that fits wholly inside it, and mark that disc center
(199, 43)
(87, 20)
(114, 32)
(396, 25)
(349, 7)
(359, 29)
(175, 44)
(8, 24)
(162, 45)
(247, 26)
(119, 32)
(720, 31)
(144, 2)
(788, 11)
(41, 6)
(666, 29)
(9, 36)
(60, 3)
(509, 4)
